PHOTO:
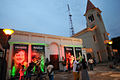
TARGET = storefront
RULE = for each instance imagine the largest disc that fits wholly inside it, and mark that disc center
(27, 47)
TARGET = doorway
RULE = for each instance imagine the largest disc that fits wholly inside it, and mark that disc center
(99, 56)
(55, 61)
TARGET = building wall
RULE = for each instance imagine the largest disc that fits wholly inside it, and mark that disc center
(98, 46)
(54, 45)
(88, 42)
(100, 33)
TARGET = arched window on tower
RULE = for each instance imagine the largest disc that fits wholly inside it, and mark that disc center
(91, 18)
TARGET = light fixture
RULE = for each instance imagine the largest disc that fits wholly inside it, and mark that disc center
(8, 31)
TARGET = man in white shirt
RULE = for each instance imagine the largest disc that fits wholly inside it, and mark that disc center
(90, 61)
(76, 73)
(50, 70)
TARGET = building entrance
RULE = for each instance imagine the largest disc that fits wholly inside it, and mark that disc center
(55, 61)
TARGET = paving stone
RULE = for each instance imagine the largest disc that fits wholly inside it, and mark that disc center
(100, 72)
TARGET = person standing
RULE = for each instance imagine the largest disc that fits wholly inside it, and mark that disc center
(76, 73)
(90, 61)
(22, 73)
(94, 61)
(50, 70)
(84, 72)
(69, 65)
(64, 64)
(46, 64)
(29, 71)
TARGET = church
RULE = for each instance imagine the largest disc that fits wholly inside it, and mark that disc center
(94, 36)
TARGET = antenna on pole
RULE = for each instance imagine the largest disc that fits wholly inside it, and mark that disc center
(71, 24)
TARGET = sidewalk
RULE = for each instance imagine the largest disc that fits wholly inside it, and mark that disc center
(109, 66)
(100, 72)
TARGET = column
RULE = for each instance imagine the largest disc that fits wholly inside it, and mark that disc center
(8, 74)
(29, 54)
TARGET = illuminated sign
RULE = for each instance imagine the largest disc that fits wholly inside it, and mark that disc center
(69, 55)
(19, 58)
(38, 55)
(78, 51)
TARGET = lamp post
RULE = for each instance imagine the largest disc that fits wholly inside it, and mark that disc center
(110, 50)
(8, 32)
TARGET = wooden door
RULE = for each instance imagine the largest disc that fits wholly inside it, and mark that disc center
(55, 61)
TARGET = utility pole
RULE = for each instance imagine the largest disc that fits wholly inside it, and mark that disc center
(71, 24)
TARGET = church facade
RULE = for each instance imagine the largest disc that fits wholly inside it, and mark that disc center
(95, 35)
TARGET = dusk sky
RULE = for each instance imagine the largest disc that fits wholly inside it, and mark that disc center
(51, 16)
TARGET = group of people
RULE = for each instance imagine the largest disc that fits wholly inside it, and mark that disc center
(80, 69)
(34, 69)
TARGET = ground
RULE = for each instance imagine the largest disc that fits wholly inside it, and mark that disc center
(100, 72)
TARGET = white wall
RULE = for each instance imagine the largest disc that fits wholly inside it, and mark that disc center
(53, 44)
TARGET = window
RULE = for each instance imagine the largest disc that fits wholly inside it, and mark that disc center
(105, 36)
(91, 18)
(99, 56)
(94, 38)
(99, 16)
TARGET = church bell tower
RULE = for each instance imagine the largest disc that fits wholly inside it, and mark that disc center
(94, 20)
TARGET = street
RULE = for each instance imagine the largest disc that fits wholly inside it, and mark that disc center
(101, 72)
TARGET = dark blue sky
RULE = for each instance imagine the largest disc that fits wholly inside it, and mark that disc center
(51, 16)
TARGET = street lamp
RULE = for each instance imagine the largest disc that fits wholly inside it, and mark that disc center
(110, 49)
(110, 42)
(8, 32)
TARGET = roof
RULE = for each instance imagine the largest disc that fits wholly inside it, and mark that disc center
(90, 6)
(81, 32)
(25, 33)
(43, 35)
(84, 31)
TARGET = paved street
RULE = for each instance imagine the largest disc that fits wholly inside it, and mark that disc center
(101, 72)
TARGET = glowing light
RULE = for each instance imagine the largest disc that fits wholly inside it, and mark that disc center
(115, 50)
(25, 71)
(34, 69)
(8, 31)
(74, 45)
(69, 59)
(42, 63)
(13, 71)
(110, 42)
(79, 58)
(107, 41)
(89, 50)
(28, 43)
(108, 34)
